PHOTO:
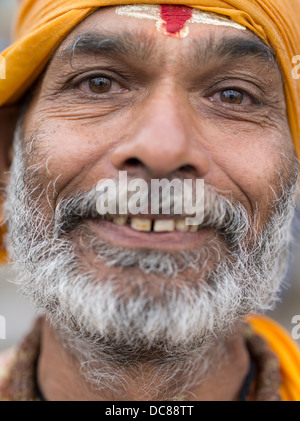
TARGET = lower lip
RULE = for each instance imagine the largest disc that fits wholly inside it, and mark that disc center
(125, 236)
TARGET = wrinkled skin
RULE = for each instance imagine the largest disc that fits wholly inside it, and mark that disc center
(165, 112)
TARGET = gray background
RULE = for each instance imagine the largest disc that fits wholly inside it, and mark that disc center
(18, 312)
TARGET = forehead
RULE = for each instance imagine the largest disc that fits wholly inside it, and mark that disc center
(171, 24)
(114, 33)
(173, 20)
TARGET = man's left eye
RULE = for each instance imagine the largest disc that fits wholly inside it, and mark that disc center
(233, 97)
(100, 85)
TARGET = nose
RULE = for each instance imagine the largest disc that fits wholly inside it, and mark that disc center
(163, 140)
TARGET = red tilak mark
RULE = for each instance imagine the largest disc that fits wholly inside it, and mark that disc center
(175, 17)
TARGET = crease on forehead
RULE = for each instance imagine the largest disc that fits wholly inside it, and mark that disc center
(172, 20)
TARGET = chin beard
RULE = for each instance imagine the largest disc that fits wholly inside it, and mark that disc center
(115, 317)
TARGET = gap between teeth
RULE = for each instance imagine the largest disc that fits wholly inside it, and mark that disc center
(156, 225)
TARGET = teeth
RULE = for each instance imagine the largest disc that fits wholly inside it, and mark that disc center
(141, 224)
(108, 217)
(193, 228)
(180, 225)
(159, 225)
(164, 225)
(120, 219)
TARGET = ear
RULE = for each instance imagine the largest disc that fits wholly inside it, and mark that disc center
(8, 120)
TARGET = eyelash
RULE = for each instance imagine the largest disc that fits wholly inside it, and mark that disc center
(112, 82)
(253, 99)
(76, 83)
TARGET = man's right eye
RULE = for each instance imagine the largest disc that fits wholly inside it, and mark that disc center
(100, 85)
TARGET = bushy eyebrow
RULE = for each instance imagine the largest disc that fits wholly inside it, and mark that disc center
(136, 45)
(139, 46)
(232, 48)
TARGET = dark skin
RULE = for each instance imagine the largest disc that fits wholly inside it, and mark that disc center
(188, 107)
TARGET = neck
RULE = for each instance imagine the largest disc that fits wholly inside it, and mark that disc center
(151, 378)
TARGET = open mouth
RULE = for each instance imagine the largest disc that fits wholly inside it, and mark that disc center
(154, 224)
(160, 232)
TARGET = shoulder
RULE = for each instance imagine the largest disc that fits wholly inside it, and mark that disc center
(286, 350)
(6, 361)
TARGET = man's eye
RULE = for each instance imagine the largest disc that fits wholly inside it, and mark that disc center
(100, 85)
(233, 97)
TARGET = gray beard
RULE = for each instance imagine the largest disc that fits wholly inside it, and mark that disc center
(98, 321)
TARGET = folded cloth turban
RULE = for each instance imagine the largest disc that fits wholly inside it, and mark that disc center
(42, 24)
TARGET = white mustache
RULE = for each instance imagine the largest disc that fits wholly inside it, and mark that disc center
(218, 212)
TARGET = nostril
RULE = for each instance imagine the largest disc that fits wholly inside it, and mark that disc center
(187, 168)
(133, 162)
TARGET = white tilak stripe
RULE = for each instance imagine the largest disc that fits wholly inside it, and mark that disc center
(151, 11)
(210, 18)
(146, 11)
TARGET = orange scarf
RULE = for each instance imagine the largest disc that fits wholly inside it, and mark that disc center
(287, 352)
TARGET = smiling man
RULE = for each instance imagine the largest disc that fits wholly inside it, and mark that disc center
(145, 306)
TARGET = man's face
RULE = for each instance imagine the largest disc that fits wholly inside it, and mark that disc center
(120, 95)
(207, 106)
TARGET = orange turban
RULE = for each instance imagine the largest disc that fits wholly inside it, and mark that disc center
(42, 24)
